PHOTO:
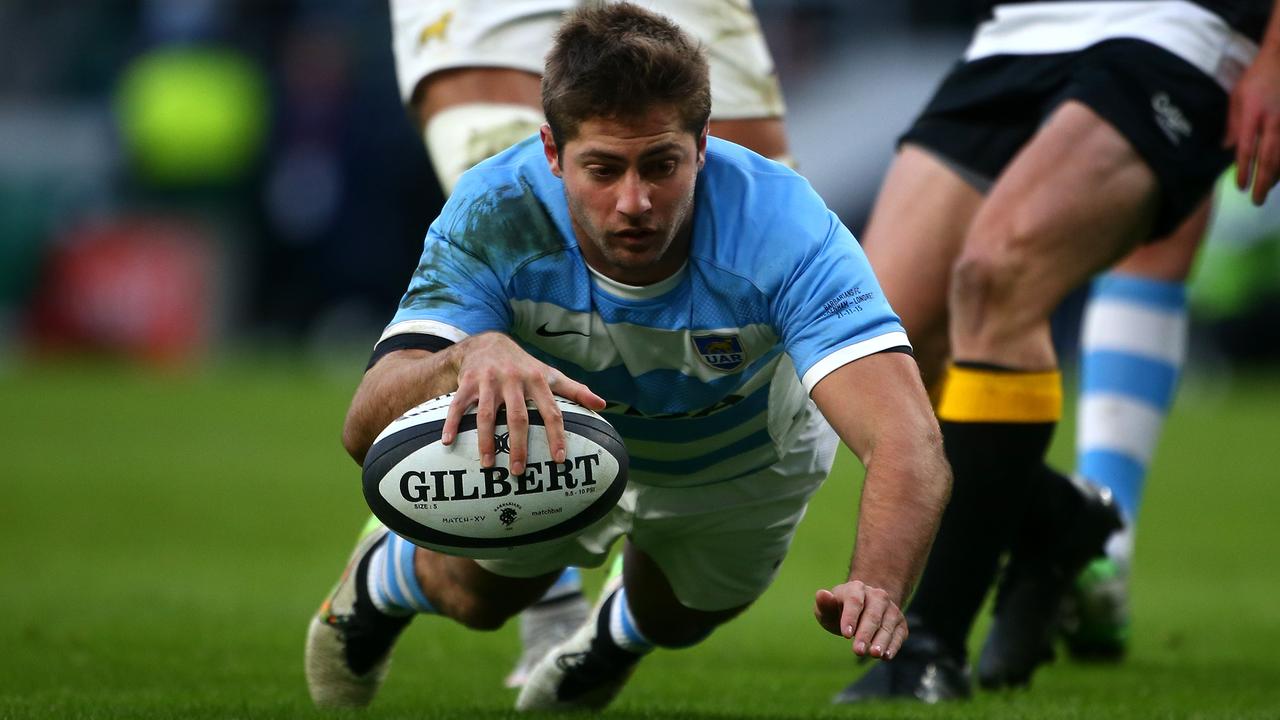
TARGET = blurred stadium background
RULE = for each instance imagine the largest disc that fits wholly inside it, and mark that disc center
(184, 179)
(208, 210)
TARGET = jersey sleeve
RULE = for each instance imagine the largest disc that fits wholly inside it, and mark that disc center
(453, 294)
(830, 309)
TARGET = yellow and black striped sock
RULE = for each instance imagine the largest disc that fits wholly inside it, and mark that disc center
(996, 425)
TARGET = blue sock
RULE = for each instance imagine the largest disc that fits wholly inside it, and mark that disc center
(1133, 347)
(392, 584)
(569, 583)
(623, 630)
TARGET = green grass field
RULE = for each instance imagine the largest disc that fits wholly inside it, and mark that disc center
(165, 540)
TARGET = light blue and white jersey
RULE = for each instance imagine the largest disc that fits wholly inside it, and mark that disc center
(706, 371)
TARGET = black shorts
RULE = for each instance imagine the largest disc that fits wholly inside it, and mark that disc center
(1172, 114)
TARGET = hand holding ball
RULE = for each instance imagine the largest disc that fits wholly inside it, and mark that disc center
(438, 496)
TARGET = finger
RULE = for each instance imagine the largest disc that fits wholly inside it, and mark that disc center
(453, 417)
(900, 634)
(517, 427)
(486, 419)
(575, 391)
(852, 608)
(1246, 144)
(826, 609)
(1265, 167)
(552, 421)
(884, 635)
(869, 623)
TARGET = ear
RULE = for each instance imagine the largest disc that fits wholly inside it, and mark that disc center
(549, 149)
(702, 145)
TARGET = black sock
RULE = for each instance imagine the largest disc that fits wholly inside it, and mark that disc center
(996, 425)
(992, 464)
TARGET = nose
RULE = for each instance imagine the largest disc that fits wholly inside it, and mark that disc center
(633, 195)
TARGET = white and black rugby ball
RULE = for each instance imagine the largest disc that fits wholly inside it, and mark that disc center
(439, 497)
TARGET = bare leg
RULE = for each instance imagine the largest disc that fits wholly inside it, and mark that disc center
(1170, 258)
(462, 590)
(1075, 200)
(915, 233)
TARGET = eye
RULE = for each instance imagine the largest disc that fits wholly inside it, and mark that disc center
(662, 168)
(600, 171)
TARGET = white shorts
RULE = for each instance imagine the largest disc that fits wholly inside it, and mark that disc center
(433, 35)
(719, 545)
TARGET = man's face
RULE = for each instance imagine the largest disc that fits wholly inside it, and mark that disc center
(630, 190)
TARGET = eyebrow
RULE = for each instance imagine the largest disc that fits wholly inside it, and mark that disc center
(605, 155)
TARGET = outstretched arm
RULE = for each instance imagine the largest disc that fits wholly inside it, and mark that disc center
(879, 408)
(489, 371)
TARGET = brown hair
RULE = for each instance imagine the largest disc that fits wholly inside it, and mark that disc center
(617, 60)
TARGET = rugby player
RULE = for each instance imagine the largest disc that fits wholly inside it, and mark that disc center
(625, 221)
(1071, 133)
(469, 70)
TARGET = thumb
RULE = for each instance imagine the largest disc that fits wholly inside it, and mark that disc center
(826, 609)
(580, 393)
(565, 387)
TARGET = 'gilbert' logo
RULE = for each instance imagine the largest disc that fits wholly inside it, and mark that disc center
(722, 352)
(575, 476)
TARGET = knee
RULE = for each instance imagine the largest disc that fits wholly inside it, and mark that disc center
(985, 278)
(994, 286)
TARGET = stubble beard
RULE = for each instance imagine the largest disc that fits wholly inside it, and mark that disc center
(619, 258)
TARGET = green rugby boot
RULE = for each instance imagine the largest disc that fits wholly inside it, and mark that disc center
(1095, 619)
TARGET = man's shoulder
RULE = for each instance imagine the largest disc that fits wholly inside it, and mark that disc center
(506, 209)
(760, 215)
(741, 183)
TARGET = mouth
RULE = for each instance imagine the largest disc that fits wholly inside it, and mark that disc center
(635, 233)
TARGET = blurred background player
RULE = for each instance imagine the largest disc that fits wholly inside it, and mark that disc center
(1070, 133)
(470, 73)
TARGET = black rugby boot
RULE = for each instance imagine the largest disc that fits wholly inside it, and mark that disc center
(1068, 528)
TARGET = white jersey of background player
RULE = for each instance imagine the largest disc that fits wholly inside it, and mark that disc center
(470, 72)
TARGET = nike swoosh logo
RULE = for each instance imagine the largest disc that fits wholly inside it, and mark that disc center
(544, 332)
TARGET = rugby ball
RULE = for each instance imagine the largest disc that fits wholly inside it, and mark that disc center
(438, 496)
